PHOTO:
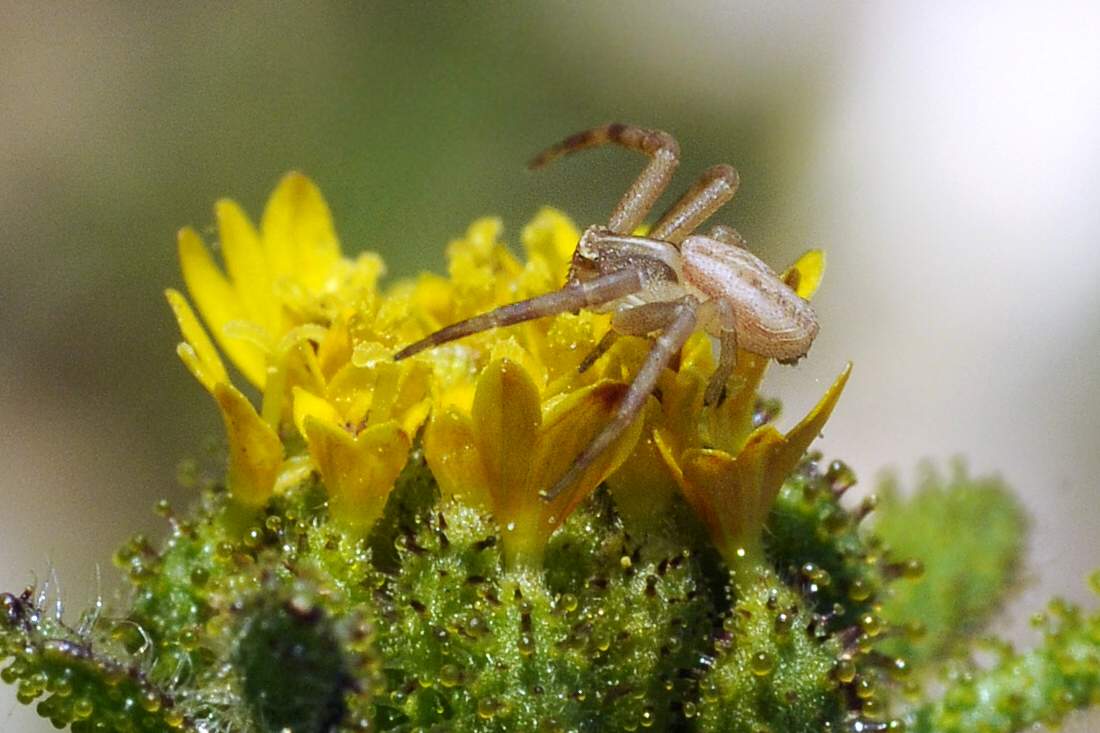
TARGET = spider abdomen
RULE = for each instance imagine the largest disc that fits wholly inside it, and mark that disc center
(770, 318)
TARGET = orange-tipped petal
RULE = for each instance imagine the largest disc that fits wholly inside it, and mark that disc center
(804, 276)
(255, 452)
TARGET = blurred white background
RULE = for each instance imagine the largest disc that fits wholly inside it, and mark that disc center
(946, 155)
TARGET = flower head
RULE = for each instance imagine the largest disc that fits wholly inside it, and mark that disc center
(505, 412)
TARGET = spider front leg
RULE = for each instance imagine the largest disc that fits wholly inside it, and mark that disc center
(680, 318)
(573, 296)
(714, 188)
(661, 147)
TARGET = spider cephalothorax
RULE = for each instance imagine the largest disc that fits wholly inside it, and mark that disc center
(669, 282)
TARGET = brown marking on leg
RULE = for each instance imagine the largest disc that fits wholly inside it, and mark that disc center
(661, 147)
(714, 188)
(600, 349)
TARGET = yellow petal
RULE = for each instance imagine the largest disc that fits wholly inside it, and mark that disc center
(298, 236)
(798, 439)
(218, 303)
(246, 265)
(804, 276)
(733, 494)
(508, 348)
(569, 426)
(730, 494)
(476, 247)
(335, 349)
(255, 452)
(450, 449)
(197, 351)
(643, 486)
(506, 420)
(358, 472)
(728, 425)
(310, 406)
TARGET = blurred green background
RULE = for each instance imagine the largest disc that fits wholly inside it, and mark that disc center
(945, 157)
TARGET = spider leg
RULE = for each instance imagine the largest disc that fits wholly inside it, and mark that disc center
(727, 362)
(640, 320)
(661, 147)
(708, 194)
(600, 349)
(681, 323)
(718, 315)
(572, 297)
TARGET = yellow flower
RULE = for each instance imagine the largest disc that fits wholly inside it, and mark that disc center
(359, 432)
(272, 275)
(301, 323)
(509, 411)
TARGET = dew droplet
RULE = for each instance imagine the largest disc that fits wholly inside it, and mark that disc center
(845, 670)
(860, 590)
(487, 707)
(912, 569)
(449, 675)
(762, 664)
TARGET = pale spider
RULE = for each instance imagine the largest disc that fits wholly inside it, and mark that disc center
(669, 282)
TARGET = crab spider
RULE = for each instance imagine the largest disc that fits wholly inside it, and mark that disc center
(667, 283)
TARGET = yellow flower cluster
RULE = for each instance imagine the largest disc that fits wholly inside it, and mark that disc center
(502, 413)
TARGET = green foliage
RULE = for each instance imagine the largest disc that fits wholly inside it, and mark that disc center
(969, 534)
(1020, 690)
(772, 669)
(91, 685)
(280, 619)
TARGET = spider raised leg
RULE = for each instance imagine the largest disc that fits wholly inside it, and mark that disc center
(714, 188)
(661, 147)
